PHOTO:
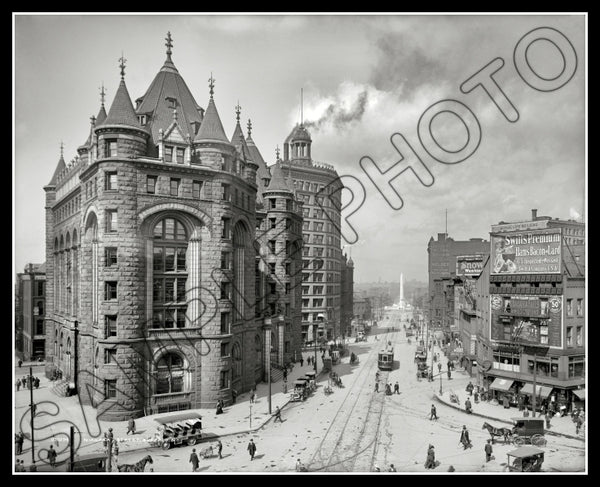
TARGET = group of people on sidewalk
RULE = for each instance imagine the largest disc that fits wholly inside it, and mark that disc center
(27, 382)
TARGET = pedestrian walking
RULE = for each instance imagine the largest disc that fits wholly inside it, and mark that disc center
(578, 424)
(36, 383)
(18, 384)
(469, 388)
(20, 363)
(19, 438)
(131, 426)
(376, 386)
(285, 373)
(116, 452)
(464, 438)
(301, 361)
(488, 450)
(449, 374)
(52, 456)
(548, 417)
(194, 460)
(396, 388)
(468, 406)
(24, 382)
(433, 413)
(277, 415)
(251, 449)
(392, 468)
(219, 448)
(430, 462)
(440, 367)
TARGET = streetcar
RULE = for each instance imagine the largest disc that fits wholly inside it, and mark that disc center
(385, 359)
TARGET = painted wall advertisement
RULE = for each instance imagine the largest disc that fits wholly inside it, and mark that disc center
(469, 265)
(527, 252)
(527, 319)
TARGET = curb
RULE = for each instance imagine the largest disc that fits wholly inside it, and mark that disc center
(547, 432)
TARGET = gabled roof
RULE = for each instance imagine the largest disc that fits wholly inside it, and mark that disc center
(168, 83)
(211, 129)
(279, 181)
(121, 111)
(60, 167)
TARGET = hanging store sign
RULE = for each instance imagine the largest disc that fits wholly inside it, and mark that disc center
(469, 265)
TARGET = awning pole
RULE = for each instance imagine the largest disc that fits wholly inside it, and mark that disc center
(534, 391)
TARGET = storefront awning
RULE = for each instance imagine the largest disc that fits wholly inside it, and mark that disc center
(580, 393)
(542, 391)
(501, 384)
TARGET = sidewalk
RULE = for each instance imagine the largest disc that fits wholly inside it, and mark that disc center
(234, 420)
(460, 378)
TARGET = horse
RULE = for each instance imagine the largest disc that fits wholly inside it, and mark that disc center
(136, 467)
(493, 431)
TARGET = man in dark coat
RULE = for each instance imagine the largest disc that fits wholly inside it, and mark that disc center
(301, 361)
(278, 415)
(396, 388)
(488, 450)
(433, 414)
(464, 438)
(194, 460)
(131, 426)
(219, 448)
(52, 456)
(468, 406)
(251, 449)
(19, 437)
(430, 462)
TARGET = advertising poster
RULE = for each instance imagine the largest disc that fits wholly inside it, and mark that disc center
(526, 252)
(527, 319)
(469, 265)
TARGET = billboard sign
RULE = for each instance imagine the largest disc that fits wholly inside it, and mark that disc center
(469, 265)
(526, 252)
(512, 227)
(535, 320)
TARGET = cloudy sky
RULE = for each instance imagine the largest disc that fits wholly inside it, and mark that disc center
(364, 78)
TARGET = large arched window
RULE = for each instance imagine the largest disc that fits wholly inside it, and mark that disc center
(237, 360)
(169, 274)
(169, 374)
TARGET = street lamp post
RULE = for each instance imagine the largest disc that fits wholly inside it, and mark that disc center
(33, 467)
(267, 326)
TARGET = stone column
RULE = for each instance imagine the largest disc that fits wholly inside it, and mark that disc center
(193, 282)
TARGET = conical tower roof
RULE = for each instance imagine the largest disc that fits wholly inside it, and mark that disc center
(157, 102)
(60, 167)
(239, 142)
(121, 111)
(262, 172)
(101, 117)
(211, 129)
(279, 182)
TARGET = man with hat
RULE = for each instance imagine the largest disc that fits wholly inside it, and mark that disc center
(430, 462)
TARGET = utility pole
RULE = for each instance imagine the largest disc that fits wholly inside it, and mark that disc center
(33, 467)
(534, 385)
(71, 449)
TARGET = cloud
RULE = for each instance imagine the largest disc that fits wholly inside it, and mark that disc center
(341, 111)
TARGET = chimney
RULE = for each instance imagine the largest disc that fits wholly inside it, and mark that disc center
(534, 214)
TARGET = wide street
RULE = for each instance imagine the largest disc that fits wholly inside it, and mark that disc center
(357, 430)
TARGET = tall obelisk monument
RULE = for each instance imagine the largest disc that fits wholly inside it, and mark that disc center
(401, 303)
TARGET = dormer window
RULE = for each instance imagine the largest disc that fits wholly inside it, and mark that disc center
(143, 119)
(171, 102)
(195, 127)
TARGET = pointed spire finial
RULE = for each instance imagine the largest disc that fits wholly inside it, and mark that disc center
(62, 146)
(102, 94)
(122, 61)
(249, 127)
(169, 45)
(277, 151)
(238, 110)
(211, 85)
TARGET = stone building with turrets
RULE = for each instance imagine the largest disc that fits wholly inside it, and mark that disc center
(164, 290)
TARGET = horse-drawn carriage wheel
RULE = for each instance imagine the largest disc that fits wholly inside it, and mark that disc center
(519, 441)
(538, 440)
(192, 441)
(166, 445)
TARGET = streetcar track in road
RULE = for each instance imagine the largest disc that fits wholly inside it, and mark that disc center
(323, 459)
